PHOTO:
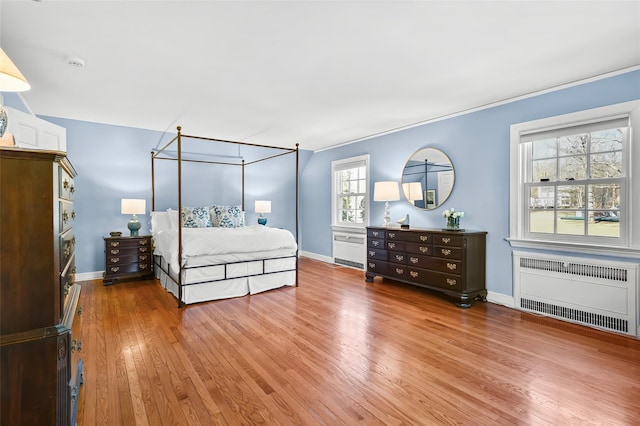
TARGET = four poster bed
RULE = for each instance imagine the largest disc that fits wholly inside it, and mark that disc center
(208, 252)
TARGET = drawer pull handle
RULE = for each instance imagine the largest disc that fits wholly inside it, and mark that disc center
(115, 259)
(80, 311)
(446, 240)
(65, 217)
(143, 249)
(72, 189)
(413, 274)
(375, 243)
(392, 245)
(414, 259)
(451, 281)
(65, 184)
(143, 242)
(115, 269)
(143, 266)
(424, 238)
(399, 257)
(73, 241)
(66, 289)
(67, 250)
(424, 249)
(446, 252)
(79, 346)
(372, 253)
(452, 266)
(142, 258)
(391, 235)
(74, 343)
(372, 265)
(115, 251)
(115, 243)
(375, 233)
(73, 214)
(399, 271)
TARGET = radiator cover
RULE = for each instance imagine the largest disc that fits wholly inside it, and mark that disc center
(590, 292)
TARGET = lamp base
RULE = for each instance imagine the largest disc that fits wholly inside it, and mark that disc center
(262, 220)
(134, 225)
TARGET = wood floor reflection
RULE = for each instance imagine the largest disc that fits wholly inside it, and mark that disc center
(338, 350)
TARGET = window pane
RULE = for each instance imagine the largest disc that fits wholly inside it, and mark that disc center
(541, 197)
(577, 144)
(605, 196)
(544, 148)
(570, 222)
(571, 197)
(573, 168)
(541, 220)
(608, 164)
(605, 223)
(606, 140)
(544, 169)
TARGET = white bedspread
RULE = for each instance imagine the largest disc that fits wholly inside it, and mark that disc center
(216, 241)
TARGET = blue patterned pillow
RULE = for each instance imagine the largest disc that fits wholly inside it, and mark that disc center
(196, 217)
(227, 216)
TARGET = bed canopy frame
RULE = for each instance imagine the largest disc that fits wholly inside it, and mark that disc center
(162, 154)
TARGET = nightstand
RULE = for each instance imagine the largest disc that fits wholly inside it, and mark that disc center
(127, 258)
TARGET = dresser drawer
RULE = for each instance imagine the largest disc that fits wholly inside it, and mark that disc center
(123, 259)
(447, 252)
(66, 188)
(67, 215)
(448, 240)
(377, 266)
(412, 237)
(67, 247)
(375, 243)
(376, 254)
(394, 245)
(434, 279)
(418, 261)
(417, 248)
(375, 233)
(128, 268)
(399, 258)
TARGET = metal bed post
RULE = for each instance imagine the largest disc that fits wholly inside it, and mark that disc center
(243, 185)
(179, 218)
(297, 207)
(153, 185)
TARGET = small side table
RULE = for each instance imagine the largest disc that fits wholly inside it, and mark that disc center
(128, 258)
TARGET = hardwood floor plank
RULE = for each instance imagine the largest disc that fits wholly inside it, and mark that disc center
(338, 350)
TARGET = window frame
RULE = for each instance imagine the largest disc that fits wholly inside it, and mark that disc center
(628, 243)
(336, 166)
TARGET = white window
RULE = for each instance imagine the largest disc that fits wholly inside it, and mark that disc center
(350, 183)
(571, 181)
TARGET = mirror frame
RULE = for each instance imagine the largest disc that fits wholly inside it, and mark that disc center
(441, 163)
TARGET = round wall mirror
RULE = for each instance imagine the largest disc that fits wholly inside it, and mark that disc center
(428, 178)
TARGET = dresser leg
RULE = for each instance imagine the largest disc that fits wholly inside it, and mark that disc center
(463, 301)
(368, 278)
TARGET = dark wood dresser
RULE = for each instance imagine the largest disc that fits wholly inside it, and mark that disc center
(127, 258)
(39, 312)
(447, 261)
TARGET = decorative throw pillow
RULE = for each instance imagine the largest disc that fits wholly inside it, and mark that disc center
(227, 216)
(196, 217)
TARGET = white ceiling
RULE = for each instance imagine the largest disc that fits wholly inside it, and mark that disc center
(320, 73)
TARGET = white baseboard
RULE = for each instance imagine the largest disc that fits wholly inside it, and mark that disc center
(315, 256)
(501, 299)
(88, 276)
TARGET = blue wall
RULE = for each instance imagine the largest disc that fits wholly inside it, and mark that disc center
(113, 162)
(478, 145)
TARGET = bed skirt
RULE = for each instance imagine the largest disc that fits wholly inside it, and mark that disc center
(205, 282)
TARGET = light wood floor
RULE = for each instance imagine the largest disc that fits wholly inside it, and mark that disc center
(339, 351)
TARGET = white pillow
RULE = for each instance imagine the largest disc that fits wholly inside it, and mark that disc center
(160, 221)
(173, 218)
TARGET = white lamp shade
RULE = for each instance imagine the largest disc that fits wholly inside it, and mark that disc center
(386, 191)
(263, 206)
(133, 206)
(412, 190)
(11, 79)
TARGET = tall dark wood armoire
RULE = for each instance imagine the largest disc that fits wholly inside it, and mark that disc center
(40, 366)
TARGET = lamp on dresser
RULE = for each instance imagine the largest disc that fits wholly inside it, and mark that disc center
(262, 207)
(386, 191)
(133, 207)
(11, 80)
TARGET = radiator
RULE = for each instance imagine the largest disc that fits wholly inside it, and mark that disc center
(349, 249)
(590, 292)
